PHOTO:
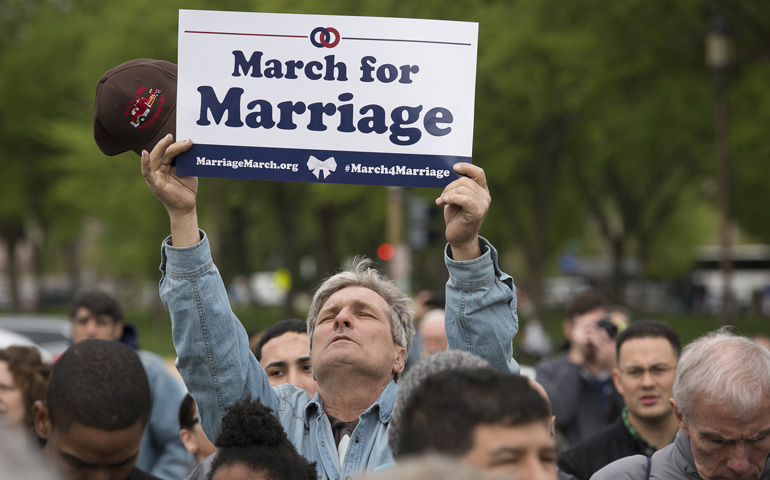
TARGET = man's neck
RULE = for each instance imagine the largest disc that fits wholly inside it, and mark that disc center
(347, 400)
(658, 434)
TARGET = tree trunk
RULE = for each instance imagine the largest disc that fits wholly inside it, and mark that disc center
(288, 227)
(617, 244)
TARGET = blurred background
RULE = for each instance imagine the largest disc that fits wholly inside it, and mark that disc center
(621, 154)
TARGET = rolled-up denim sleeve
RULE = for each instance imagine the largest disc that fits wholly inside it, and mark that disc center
(212, 347)
(481, 308)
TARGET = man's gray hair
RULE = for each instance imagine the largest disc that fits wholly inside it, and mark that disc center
(360, 272)
(721, 368)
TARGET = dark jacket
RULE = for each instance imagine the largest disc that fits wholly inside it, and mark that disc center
(582, 405)
(674, 462)
(611, 443)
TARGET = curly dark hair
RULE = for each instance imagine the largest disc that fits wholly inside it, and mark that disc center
(253, 437)
(30, 374)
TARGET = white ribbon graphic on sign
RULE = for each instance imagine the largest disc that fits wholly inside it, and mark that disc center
(326, 166)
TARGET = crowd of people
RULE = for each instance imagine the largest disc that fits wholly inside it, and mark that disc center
(365, 389)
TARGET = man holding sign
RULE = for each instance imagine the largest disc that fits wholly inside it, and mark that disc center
(249, 110)
(359, 326)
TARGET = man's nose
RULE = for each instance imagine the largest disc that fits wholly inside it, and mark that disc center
(342, 320)
(647, 378)
(538, 470)
(90, 327)
(738, 461)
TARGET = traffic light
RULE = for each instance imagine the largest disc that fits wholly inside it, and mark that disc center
(386, 251)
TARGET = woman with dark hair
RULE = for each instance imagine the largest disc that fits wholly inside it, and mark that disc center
(253, 445)
(23, 380)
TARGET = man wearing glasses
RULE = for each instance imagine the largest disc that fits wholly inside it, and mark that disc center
(647, 355)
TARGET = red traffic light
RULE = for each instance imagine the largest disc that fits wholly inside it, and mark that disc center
(386, 251)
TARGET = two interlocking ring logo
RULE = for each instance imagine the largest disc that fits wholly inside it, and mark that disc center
(322, 37)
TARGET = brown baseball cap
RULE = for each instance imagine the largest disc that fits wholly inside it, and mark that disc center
(135, 106)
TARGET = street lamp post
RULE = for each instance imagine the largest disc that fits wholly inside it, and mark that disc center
(719, 59)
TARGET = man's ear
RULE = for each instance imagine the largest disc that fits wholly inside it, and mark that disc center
(616, 380)
(187, 441)
(42, 420)
(400, 361)
(679, 417)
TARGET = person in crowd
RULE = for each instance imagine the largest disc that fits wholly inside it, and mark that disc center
(356, 361)
(283, 350)
(579, 382)
(432, 332)
(721, 403)
(489, 419)
(191, 433)
(647, 356)
(97, 314)
(95, 411)
(23, 380)
(359, 326)
(454, 360)
(423, 302)
(253, 444)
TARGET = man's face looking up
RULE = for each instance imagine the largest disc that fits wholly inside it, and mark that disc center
(353, 334)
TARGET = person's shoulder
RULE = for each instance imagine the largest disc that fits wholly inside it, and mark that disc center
(590, 455)
(609, 436)
(201, 471)
(150, 358)
(551, 364)
(138, 474)
(628, 468)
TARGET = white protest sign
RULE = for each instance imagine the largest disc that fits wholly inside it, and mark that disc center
(335, 99)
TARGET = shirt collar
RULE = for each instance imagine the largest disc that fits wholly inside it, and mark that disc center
(383, 404)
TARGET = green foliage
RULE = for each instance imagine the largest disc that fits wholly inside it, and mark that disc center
(592, 110)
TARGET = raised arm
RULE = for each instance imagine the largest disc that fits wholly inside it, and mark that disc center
(480, 299)
(212, 346)
(177, 194)
(466, 203)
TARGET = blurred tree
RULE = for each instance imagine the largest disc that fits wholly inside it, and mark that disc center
(600, 110)
(749, 115)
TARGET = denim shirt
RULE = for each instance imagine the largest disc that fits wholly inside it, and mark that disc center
(219, 369)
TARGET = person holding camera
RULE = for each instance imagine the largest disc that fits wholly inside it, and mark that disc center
(579, 381)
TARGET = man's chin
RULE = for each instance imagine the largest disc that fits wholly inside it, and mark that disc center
(658, 414)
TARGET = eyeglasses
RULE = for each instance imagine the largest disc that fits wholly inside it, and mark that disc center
(657, 370)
